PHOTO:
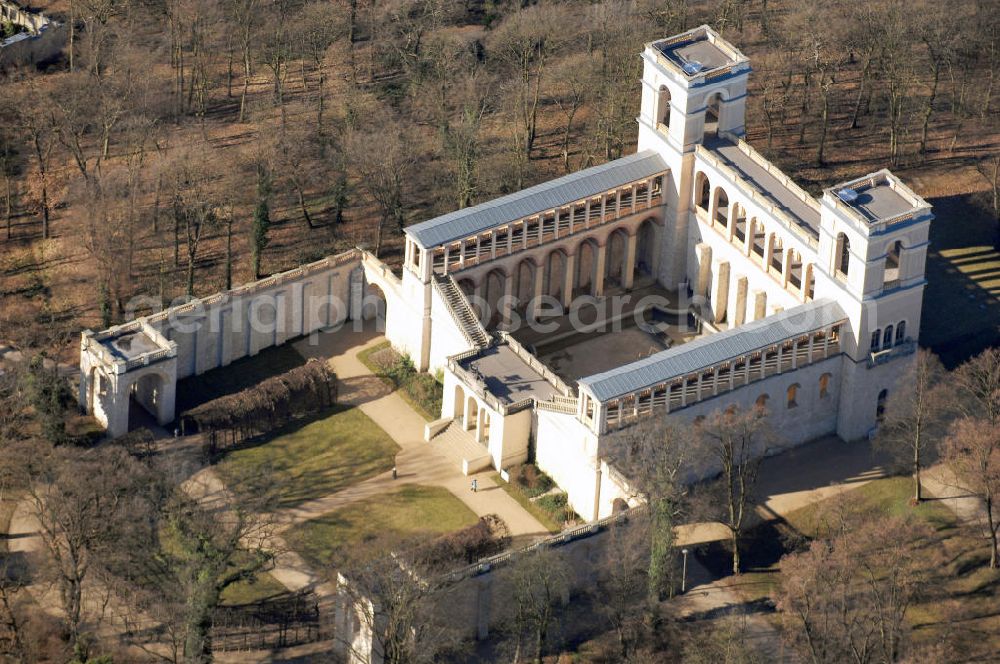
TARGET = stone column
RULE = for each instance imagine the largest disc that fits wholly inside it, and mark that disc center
(466, 424)
(704, 253)
(786, 267)
(602, 257)
(629, 263)
(657, 242)
(742, 285)
(721, 292)
(759, 304)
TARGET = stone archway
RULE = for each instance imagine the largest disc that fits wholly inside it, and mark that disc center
(615, 270)
(493, 293)
(153, 392)
(646, 249)
(555, 274)
(586, 267)
(524, 283)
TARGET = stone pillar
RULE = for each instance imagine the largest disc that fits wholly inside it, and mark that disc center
(602, 257)
(657, 240)
(742, 286)
(704, 253)
(721, 292)
(786, 267)
(759, 304)
(569, 283)
(628, 268)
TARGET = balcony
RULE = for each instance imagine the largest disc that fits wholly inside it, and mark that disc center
(901, 349)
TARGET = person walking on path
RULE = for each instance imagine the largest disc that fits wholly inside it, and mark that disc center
(475, 485)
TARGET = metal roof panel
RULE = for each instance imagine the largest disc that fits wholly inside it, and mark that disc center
(540, 198)
(712, 349)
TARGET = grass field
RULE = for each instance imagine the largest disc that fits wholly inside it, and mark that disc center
(323, 456)
(262, 588)
(378, 524)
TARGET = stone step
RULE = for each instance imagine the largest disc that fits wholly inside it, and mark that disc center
(460, 447)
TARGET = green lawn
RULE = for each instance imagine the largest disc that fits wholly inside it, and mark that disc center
(311, 460)
(263, 587)
(890, 496)
(378, 524)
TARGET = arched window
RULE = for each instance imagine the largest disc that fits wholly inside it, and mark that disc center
(759, 240)
(761, 403)
(794, 269)
(891, 277)
(901, 332)
(777, 254)
(810, 289)
(880, 405)
(792, 396)
(739, 223)
(876, 340)
(843, 255)
(887, 337)
(824, 386)
(663, 107)
(721, 207)
(712, 112)
(702, 191)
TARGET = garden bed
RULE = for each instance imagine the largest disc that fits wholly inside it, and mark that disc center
(422, 391)
(532, 489)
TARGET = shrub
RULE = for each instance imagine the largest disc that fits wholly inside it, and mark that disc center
(426, 392)
(531, 481)
(486, 537)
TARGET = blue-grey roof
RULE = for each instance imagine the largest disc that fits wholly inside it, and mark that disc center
(546, 196)
(712, 349)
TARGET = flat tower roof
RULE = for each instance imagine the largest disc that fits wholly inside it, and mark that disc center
(540, 198)
(129, 345)
(877, 197)
(698, 51)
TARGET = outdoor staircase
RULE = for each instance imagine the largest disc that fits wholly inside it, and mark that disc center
(461, 447)
(462, 311)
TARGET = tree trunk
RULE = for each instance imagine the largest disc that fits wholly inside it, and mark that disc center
(736, 552)
(824, 117)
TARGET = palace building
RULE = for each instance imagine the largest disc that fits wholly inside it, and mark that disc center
(686, 278)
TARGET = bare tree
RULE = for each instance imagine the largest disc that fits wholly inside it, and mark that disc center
(916, 416)
(83, 501)
(539, 583)
(384, 172)
(655, 455)
(972, 451)
(737, 441)
(846, 599)
(394, 599)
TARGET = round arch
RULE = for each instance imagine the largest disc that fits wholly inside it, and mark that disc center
(555, 273)
(458, 406)
(702, 191)
(615, 257)
(524, 282)
(646, 249)
(586, 266)
(720, 204)
(496, 284)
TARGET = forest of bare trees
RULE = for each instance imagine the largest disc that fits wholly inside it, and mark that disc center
(181, 147)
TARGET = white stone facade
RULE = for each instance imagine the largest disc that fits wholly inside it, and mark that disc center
(808, 307)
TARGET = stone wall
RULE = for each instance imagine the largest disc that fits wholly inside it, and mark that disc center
(43, 41)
